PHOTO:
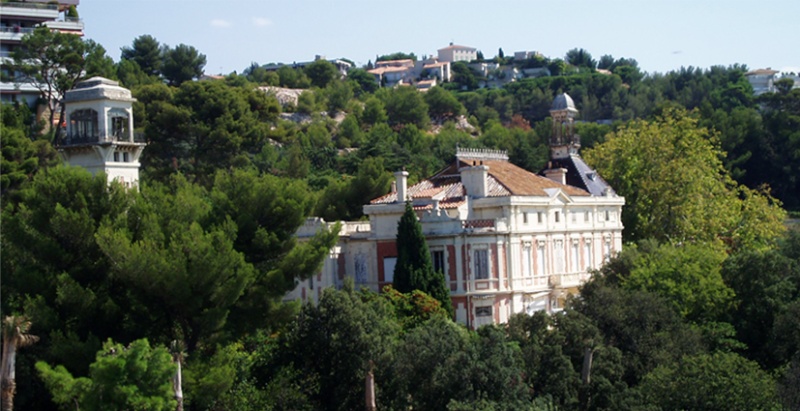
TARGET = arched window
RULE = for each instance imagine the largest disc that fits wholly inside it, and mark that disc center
(83, 124)
(118, 119)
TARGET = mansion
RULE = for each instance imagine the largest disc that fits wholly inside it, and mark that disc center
(507, 240)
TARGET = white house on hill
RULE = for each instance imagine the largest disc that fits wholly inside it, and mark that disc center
(507, 240)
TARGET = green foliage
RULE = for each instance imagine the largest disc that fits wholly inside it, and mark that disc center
(203, 126)
(765, 283)
(687, 275)
(414, 269)
(182, 63)
(321, 73)
(54, 62)
(121, 378)
(720, 381)
(191, 273)
(348, 336)
(396, 56)
(676, 189)
(580, 58)
(146, 52)
(405, 105)
(442, 104)
(19, 161)
(362, 82)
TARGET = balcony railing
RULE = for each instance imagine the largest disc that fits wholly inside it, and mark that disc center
(27, 5)
(20, 30)
(84, 139)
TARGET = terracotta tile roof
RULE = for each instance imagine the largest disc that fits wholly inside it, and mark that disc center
(435, 65)
(504, 179)
(389, 69)
(766, 71)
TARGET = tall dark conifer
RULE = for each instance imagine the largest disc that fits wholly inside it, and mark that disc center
(414, 268)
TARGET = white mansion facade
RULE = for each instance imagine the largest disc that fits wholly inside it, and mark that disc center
(507, 240)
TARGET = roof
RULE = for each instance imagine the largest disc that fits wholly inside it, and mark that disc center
(438, 64)
(766, 71)
(580, 175)
(456, 46)
(98, 88)
(390, 69)
(504, 179)
(563, 102)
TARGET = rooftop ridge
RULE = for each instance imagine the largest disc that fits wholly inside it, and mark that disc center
(480, 154)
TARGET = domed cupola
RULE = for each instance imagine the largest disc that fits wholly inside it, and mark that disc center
(563, 140)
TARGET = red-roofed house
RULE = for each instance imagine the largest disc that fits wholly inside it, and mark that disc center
(507, 240)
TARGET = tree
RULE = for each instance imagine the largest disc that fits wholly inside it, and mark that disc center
(363, 82)
(676, 187)
(414, 268)
(15, 336)
(182, 63)
(349, 334)
(580, 58)
(687, 275)
(146, 52)
(374, 112)
(121, 378)
(321, 73)
(188, 274)
(442, 104)
(405, 105)
(54, 62)
(720, 381)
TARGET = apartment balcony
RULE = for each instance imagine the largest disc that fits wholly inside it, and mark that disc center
(13, 34)
(85, 140)
(11, 87)
(67, 24)
(29, 11)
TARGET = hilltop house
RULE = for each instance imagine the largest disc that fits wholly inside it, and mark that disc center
(507, 240)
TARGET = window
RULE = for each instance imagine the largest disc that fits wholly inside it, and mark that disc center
(539, 217)
(558, 250)
(126, 157)
(119, 124)
(526, 260)
(587, 253)
(116, 156)
(438, 261)
(608, 216)
(388, 268)
(586, 217)
(574, 216)
(83, 123)
(576, 257)
(540, 260)
(481, 264)
(558, 216)
(483, 311)
(525, 218)
(361, 269)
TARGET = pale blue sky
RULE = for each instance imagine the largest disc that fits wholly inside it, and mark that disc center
(660, 35)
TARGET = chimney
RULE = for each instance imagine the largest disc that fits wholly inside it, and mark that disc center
(401, 180)
(474, 180)
(559, 175)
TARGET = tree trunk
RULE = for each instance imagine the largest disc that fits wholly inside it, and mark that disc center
(9, 387)
(369, 394)
(7, 378)
(177, 386)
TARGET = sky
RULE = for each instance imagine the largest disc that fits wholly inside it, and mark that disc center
(662, 35)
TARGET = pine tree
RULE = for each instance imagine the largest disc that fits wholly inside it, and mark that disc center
(414, 269)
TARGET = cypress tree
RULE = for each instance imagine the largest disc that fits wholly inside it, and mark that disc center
(414, 268)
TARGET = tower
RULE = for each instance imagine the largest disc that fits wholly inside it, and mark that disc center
(99, 133)
(563, 140)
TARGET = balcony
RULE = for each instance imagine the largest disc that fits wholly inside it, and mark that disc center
(27, 10)
(67, 24)
(14, 34)
(83, 140)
